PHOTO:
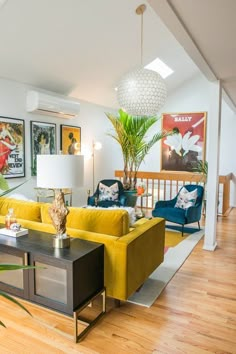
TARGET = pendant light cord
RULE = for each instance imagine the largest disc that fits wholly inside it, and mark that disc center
(139, 11)
(142, 39)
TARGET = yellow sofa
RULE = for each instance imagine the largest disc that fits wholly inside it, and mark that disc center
(131, 254)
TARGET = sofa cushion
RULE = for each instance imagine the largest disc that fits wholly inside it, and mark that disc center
(44, 213)
(22, 209)
(108, 193)
(114, 222)
(186, 199)
(105, 221)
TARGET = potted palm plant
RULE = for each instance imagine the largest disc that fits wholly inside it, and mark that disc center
(131, 134)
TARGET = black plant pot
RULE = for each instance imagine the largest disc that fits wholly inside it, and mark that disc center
(131, 198)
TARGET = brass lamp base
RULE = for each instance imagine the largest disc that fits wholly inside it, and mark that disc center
(61, 242)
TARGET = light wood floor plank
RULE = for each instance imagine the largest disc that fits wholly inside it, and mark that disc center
(196, 313)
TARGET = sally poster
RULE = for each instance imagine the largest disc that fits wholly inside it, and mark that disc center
(12, 147)
(182, 151)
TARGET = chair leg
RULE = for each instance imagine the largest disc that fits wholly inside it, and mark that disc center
(199, 225)
(182, 230)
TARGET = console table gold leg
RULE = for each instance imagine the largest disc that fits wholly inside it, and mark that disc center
(104, 301)
(76, 327)
(78, 337)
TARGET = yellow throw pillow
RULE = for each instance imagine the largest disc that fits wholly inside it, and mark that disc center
(22, 209)
(105, 221)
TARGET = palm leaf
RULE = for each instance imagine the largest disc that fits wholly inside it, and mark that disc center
(11, 189)
(10, 298)
(7, 267)
(3, 183)
(201, 167)
(2, 324)
(4, 187)
(4, 267)
(131, 134)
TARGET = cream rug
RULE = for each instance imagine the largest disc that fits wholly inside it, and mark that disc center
(173, 260)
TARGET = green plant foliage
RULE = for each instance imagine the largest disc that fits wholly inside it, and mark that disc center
(4, 187)
(3, 183)
(8, 267)
(131, 134)
(201, 167)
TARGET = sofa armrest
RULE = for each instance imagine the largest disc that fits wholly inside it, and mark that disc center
(109, 253)
(138, 254)
(193, 213)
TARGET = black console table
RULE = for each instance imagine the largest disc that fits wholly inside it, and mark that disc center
(66, 280)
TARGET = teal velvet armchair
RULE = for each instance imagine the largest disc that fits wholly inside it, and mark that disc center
(109, 192)
(178, 214)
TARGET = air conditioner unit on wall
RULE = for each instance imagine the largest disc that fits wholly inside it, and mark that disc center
(44, 103)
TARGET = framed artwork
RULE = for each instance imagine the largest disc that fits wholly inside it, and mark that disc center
(12, 147)
(182, 151)
(43, 142)
(70, 140)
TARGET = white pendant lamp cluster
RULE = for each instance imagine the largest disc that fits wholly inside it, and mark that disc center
(141, 92)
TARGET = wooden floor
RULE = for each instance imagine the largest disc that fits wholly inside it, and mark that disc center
(196, 313)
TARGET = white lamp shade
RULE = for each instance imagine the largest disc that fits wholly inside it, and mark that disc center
(60, 171)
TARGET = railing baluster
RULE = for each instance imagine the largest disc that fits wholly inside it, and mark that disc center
(157, 182)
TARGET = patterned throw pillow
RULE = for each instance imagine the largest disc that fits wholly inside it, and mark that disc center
(108, 193)
(186, 199)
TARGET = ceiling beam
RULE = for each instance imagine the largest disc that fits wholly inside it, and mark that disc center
(166, 12)
(171, 19)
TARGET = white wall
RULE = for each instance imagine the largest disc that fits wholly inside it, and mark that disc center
(94, 126)
(193, 96)
(227, 148)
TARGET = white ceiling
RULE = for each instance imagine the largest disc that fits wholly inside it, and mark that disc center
(83, 47)
(206, 29)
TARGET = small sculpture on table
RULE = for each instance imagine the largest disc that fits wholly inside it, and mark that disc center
(58, 213)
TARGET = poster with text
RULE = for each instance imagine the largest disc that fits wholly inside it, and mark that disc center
(182, 151)
(12, 147)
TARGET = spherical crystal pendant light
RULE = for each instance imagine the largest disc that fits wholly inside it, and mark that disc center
(141, 92)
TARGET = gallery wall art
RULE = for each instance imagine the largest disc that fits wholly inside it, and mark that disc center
(12, 147)
(182, 151)
(70, 140)
(43, 141)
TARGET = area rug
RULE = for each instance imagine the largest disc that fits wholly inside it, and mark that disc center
(173, 260)
(187, 229)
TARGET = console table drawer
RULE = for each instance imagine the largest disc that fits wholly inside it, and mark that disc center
(65, 286)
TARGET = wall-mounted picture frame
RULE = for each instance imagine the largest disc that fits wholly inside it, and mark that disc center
(43, 141)
(182, 151)
(70, 140)
(12, 147)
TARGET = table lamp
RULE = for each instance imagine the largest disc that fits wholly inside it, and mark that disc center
(60, 172)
